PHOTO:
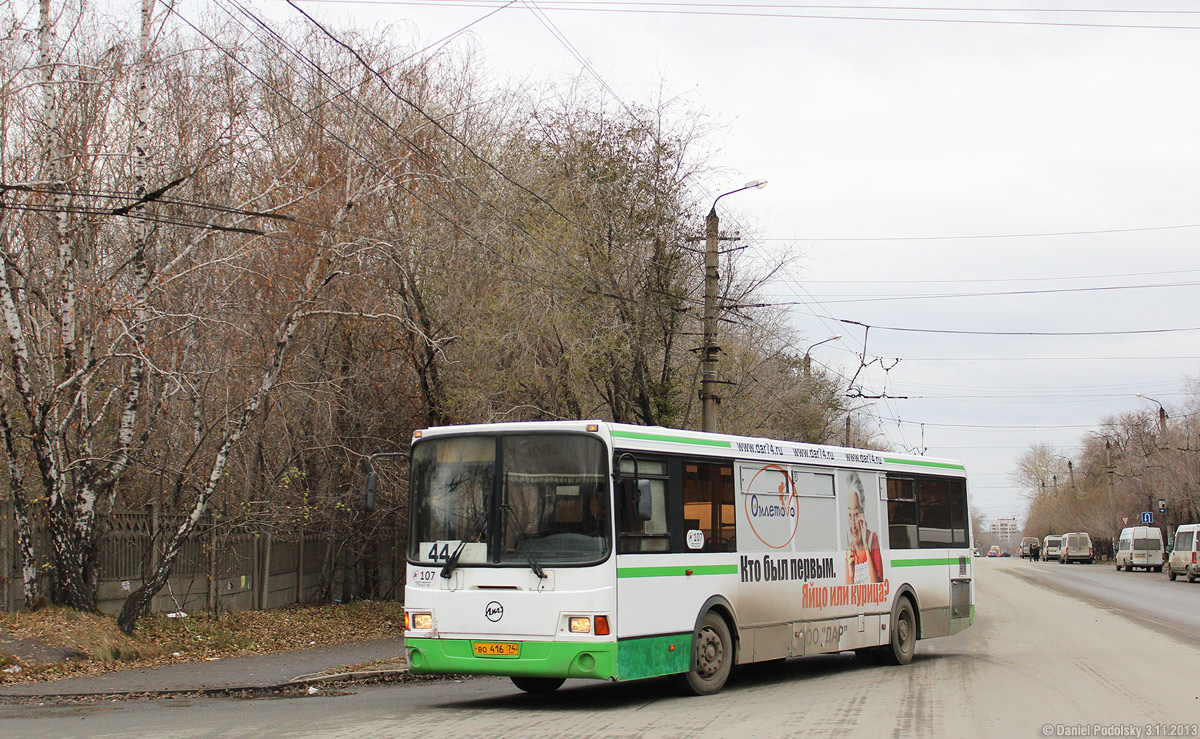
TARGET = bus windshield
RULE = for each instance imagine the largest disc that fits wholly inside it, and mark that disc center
(528, 500)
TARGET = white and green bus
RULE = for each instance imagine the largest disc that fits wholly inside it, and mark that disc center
(585, 549)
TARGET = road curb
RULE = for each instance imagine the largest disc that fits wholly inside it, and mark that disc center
(356, 675)
(292, 684)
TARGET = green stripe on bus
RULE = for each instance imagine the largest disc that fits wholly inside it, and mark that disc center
(676, 571)
(673, 439)
(925, 562)
(925, 463)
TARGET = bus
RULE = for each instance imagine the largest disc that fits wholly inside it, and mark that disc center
(549, 550)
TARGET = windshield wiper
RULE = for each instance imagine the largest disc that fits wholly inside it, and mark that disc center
(528, 552)
(452, 560)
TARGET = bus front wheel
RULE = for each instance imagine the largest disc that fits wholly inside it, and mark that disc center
(904, 635)
(538, 685)
(712, 656)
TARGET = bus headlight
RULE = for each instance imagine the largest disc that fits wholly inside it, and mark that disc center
(418, 621)
(579, 625)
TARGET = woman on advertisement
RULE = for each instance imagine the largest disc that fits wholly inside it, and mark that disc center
(864, 563)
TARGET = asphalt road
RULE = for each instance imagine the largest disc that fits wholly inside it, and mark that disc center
(1148, 596)
(1052, 654)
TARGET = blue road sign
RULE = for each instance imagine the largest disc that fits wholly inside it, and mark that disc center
(1147, 516)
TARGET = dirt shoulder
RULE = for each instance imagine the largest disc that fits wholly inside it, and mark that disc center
(56, 643)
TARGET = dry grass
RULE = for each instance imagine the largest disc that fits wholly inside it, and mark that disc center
(161, 640)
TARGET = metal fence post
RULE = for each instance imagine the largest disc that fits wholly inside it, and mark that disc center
(300, 568)
(264, 589)
(213, 592)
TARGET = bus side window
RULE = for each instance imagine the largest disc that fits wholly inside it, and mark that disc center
(902, 513)
(708, 499)
(933, 513)
(958, 513)
(926, 512)
(636, 536)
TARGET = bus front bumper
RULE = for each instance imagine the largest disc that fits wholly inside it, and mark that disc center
(595, 660)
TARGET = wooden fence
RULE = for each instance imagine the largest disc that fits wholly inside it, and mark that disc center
(225, 566)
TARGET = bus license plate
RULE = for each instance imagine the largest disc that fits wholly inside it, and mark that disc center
(496, 649)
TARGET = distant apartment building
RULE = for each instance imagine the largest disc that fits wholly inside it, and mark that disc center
(1005, 528)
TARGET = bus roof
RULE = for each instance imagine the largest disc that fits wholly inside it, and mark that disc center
(680, 441)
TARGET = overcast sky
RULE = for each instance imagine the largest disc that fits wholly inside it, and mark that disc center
(913, 158)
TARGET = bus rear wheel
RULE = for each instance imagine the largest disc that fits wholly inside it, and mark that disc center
(904, 635)
(538, 685)
(712, 656)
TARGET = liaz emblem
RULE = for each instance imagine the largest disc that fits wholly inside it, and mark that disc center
(494, 611)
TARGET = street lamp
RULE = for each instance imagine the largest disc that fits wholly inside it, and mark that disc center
(1070, 470)
(708, 368)
(1162, 414)
(807, 363)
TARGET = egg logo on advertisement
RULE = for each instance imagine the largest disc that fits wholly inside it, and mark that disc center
(771, 506)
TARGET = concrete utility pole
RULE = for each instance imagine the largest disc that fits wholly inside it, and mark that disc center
(708, 361)
(709, 400)
(1112, 506)
(850, 412)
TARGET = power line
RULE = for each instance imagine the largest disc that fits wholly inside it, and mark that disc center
(1001, 279)
(737, 11)
(1019, 333)
(973, 237)
(828, 299)
(1051, 359)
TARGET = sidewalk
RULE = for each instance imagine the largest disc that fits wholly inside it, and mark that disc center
(258, 672)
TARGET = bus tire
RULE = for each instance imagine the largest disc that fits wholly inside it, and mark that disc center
(1170, 574)
(903, 644)
(538, 685)
(712, 656)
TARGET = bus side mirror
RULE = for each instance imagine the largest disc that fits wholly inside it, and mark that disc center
(370, 485)
(642, 503)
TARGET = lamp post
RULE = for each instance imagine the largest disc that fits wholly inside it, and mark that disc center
(1162, 414)
(708, 369)
(807, 363)
(1070, 469)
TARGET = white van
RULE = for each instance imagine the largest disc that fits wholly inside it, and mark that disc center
(1051, 547)
(1185, 556)
(1140, 546)
(1076, 547)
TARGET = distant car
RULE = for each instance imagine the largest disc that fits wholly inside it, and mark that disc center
(1077, 547)
(975, 553)
(1140, 546)
(994, 551)
(1051, 547)
(1185, 553)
